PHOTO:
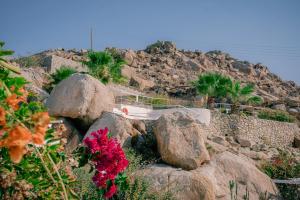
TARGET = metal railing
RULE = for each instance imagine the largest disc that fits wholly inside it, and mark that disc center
(157, 102)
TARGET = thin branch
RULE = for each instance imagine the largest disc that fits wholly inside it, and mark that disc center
(58, 174)
(45, 166)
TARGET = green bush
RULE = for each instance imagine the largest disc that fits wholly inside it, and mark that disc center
(284, 167)
(106, 68)
(218, 86)
(62, 73)
(59, 75)
(275, 115)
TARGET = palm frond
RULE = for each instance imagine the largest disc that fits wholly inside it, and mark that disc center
(248, 89)
(255, 100)
(6, 53)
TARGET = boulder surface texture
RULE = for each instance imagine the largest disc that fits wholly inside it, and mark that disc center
(80, 97)
(181, 140)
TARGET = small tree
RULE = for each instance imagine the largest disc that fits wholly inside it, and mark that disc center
(212, 85)
(104, 67)
(239, 94)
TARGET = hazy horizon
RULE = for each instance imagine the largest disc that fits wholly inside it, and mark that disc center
(258, 31)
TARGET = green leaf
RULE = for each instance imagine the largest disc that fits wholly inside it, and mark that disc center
(247, 90)
(6, 53)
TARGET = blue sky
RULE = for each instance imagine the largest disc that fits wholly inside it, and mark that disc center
(265, 31)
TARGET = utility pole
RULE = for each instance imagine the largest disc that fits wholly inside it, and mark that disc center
(91, 37)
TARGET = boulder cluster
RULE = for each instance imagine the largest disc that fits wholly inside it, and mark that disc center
(192, 164)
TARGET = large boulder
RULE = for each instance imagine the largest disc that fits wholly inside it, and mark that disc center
(181, 184)
(181, 140)
(129, 56)
(80, 97)
(226, 167)
(119, 127)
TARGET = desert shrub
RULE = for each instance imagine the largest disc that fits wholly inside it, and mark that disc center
(62, 73)
(284, 166)
(103, 66)
(30, 151)
(84, 186)
(275, 115)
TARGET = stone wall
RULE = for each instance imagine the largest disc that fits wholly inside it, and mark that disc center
(273, 133)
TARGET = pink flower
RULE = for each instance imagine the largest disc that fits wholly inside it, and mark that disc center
(108, 158)
(112, 190)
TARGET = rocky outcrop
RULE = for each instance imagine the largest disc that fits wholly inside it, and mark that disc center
(211, 181)
(36, 76)
(227, 167)
(80, 97)
(165, 69)
(180, 141)
(119, 127)
(181, 184)
(53, 63)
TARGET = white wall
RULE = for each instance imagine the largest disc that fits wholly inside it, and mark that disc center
(135, 112)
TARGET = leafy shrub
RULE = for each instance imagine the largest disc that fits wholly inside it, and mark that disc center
(275, 115)
(284, 167)
(103, 66)
(215, 85)
(62, 73)
(59, 75)
(30, 152)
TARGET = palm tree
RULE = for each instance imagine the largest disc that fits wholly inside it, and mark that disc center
(104, 67)
(239, 94)
(3, 62)
(212, 85)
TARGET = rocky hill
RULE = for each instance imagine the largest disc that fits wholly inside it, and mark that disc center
(163, 69)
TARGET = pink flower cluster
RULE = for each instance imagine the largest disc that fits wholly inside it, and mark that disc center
(108, 158)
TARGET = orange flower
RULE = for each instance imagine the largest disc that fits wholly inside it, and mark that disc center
(42, 121)
(13, 101)
(38, 137)
(41, 118)
(16, 142)
(23, 98)
(2, 117)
